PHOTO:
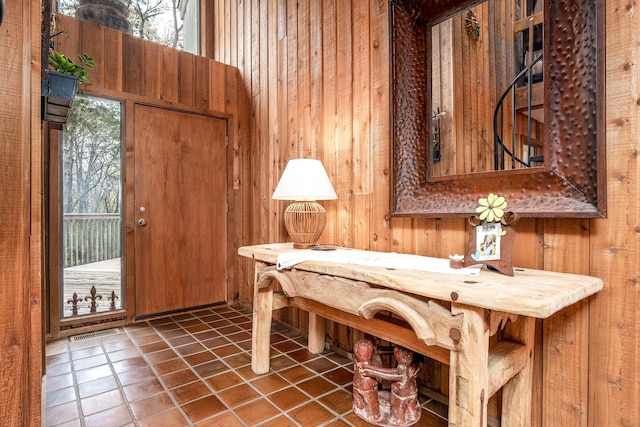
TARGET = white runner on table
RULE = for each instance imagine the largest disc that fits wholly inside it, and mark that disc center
(375, 259)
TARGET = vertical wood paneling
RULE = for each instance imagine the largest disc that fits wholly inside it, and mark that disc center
(132, 49)
(380, 156)
(565, 353)
(152, 64)
(218, 77)
(71, 46)
(201, 90)
(20, 215)
(272, 82)
(170, 87)
(315, 75)
(457, 163)
(232, 98)
(466, 96)
(32, 305)
(291, 63)
(227, 40)
(329, 54)
(361, 125)
(275, 90)
(255, 48)
(329, 114)
(340, 157)
(301, 144)
(248, 56)
(266, 151)
(282, 135)
(185, 78)
(302, 141)
(348, 129)
(614, 346)
(233, 40)
(528, 252)
(93, 43)
(112, 69)
(208, 36)
(240, 39)
(344, 133)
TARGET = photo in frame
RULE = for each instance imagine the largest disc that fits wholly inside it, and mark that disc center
(488, 241)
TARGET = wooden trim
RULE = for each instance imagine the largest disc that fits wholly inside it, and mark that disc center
(128, 239)
(528, 22)
(53, 141)
(151, 101)
(378, 326)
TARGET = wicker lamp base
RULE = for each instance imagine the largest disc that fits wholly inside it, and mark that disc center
(304, 222)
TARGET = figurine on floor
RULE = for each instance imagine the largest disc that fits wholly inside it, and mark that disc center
(405, 407)
(400, 407)
(365, 387)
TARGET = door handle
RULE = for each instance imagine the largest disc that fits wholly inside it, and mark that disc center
(142, 222)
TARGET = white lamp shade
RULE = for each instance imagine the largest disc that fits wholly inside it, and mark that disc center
(304, 180)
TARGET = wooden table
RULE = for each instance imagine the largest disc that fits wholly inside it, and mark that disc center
(450, 318)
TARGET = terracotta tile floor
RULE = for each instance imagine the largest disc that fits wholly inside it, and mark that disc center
(195, 370)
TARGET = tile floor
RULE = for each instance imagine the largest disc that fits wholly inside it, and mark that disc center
(194, 369)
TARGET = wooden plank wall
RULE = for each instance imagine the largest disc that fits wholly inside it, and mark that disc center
(20, 216)
(318, 79)
(134, 70)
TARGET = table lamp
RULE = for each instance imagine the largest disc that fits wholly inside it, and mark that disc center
(304, 181)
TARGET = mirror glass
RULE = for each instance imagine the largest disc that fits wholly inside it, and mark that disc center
(485, 115)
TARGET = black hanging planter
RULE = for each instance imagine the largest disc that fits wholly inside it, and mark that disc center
(58, 92)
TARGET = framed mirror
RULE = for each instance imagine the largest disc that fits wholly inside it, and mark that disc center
(503, 97)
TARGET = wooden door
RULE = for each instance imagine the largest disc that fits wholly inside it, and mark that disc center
(180, 197)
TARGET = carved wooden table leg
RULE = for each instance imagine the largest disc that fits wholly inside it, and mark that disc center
(516, 393)
(468, 376)
(261, 334)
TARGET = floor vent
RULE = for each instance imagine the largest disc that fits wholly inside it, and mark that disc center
(91, 335)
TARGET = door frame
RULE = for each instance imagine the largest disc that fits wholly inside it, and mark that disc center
(56, 327)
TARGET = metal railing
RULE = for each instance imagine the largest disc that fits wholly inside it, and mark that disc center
(501, 151)
(90, 238)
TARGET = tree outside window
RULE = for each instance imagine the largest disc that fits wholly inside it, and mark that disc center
(155, 20)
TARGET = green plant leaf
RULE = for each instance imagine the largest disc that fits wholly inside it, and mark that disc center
(65, 65)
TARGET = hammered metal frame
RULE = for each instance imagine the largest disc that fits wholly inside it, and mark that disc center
(572, 181)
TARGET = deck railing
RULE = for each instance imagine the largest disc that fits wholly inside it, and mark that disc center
(90, 238)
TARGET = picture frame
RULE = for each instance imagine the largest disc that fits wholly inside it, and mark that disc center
(492, 236)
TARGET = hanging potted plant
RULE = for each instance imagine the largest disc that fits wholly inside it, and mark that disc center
(61, 85)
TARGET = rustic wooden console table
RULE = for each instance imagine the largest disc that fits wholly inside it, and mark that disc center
(450, 318)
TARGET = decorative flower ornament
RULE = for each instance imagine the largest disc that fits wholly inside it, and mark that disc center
(492, 237)
(491, 208)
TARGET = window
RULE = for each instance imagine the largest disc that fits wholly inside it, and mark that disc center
(91, 208)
